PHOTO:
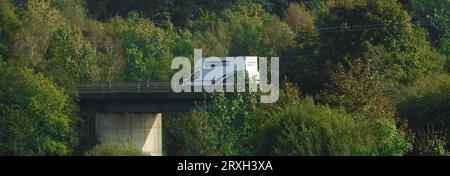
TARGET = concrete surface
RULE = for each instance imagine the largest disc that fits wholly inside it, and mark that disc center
(140, 130)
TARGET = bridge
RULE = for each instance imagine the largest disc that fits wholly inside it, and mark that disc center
(135, 97)
(132, 111)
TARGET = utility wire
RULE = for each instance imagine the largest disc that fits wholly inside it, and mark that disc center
(364, 27)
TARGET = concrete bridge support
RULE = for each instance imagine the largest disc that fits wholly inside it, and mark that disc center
(142, 130)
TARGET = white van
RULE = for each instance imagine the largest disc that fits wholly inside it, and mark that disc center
(215, 70)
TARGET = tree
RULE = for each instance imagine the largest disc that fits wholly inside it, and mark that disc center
(255, 32)
(299, 62)
(179, 12)
(209, 30)
(346, 26)
(244, 30)
(147, 49)
(350, 29)
(226, 125)
(72, 54)
(307, 129)
(49, 44)
(220, 127)
(9, 24)
(356, 88)
(434, 15)
(35, 115)
(425, 103)
(298, 18)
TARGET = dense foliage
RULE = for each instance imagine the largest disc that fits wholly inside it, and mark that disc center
(113, 150)
(35, 116)
(426, 105)
(309, 129)
(374, 74)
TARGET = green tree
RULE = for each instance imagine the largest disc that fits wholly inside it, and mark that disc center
(255, 32)
(35, 115)
(427, 102)
(299, 62)
(50, 44)
(299, 18)
(209, 30)
(147, 49)
(434, 16)
(356, 88)
(386, 140)
(347, 25)
(349, 29)
(221, 126)
(309, 129)
(243, 30)
(226, 125)
(9, 24)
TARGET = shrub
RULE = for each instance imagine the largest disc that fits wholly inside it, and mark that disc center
(430, 142)
(226, 125)
(238, 125)
(427, 102)
(113, 150)
(387, 140)
(310, 129)
(307, 129)
(221, 126)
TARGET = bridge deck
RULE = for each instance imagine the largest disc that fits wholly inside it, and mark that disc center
(135, 97)
(124, 87)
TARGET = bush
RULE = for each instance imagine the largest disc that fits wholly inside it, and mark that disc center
(113, 150)
(387, 140)
(427, 102)
(221, 126)
(430, 142)
(309, 129)
(238, 125)
(225, 125)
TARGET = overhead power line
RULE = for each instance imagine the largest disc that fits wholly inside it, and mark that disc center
(365, 27)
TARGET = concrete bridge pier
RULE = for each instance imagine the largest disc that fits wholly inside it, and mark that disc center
(142, 130)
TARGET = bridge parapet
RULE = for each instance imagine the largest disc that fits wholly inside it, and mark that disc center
(124, 87)
(135, 97)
